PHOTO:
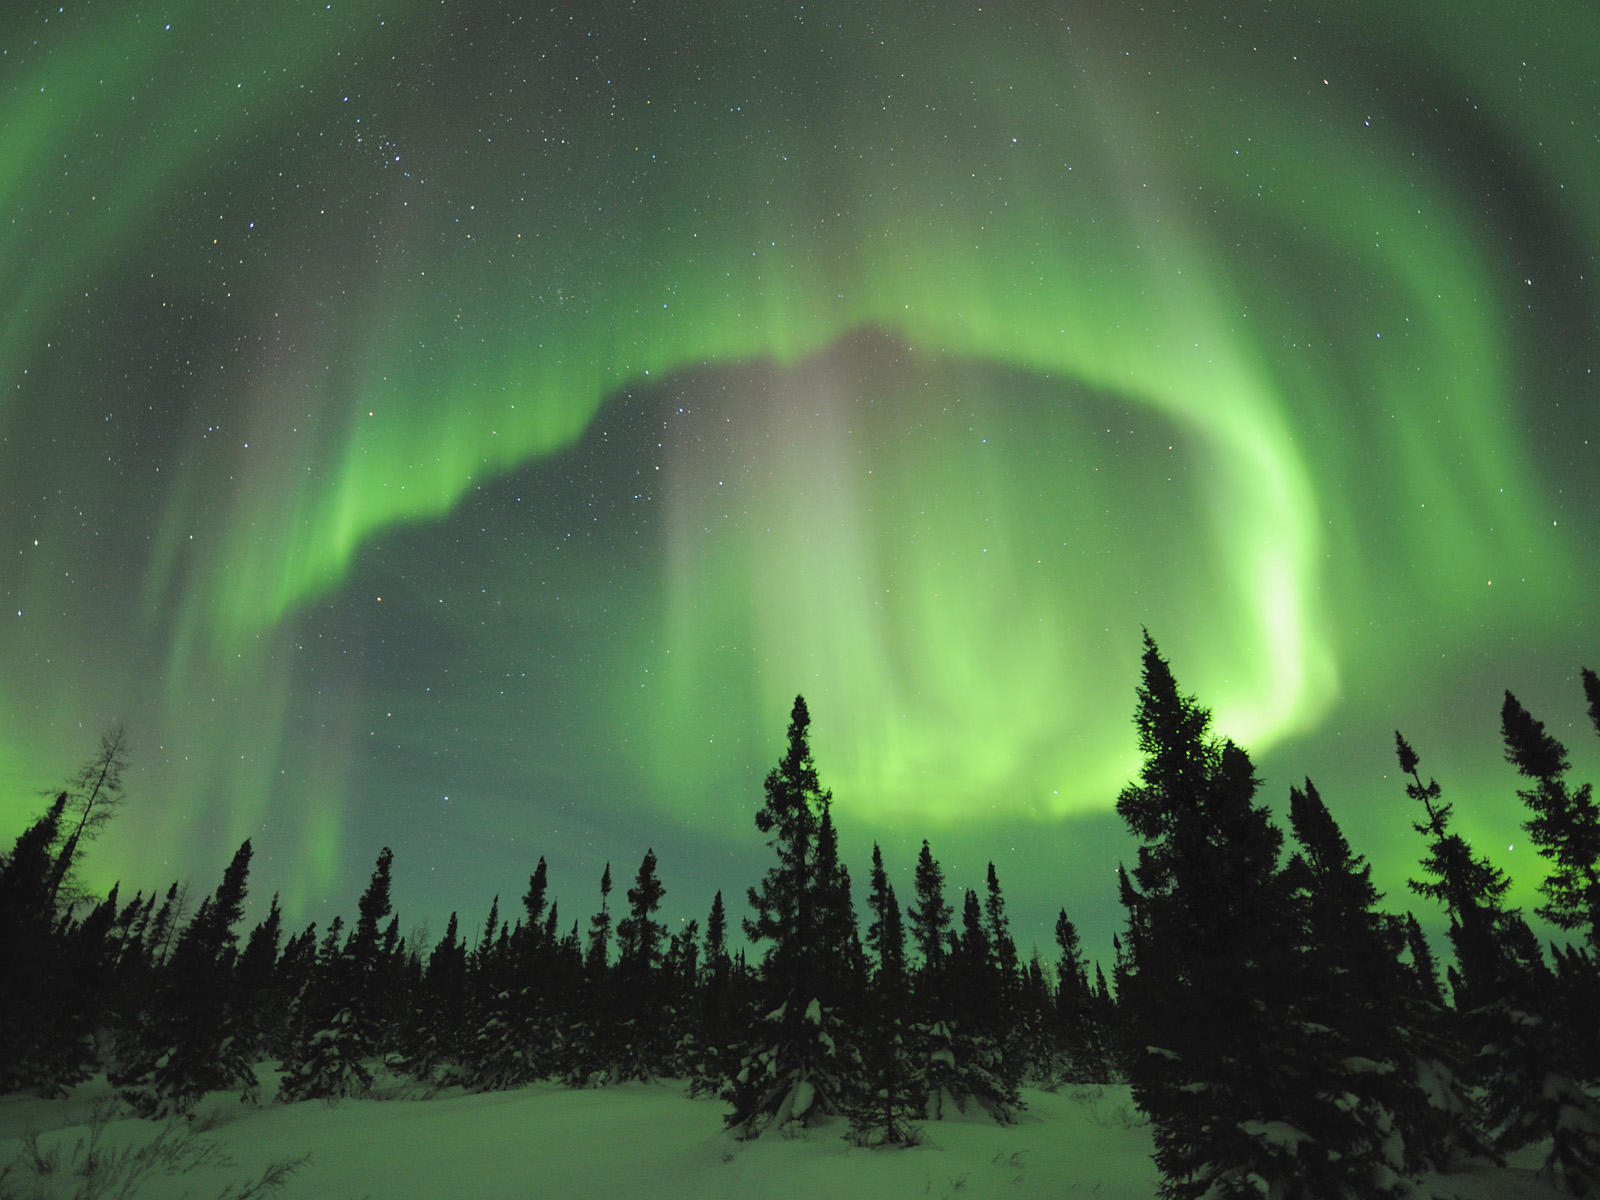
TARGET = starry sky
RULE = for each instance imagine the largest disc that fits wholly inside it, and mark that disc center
(466, 426)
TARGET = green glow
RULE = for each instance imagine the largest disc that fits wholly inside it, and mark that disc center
(416, 275)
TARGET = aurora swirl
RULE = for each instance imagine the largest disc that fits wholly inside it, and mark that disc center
(421, 401)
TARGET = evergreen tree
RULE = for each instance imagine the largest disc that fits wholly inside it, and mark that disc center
(1076, 1010)
(1423, 967)
(639, 934)
(930, 920)
(45, 1041)
(533, 901)
(881, 1114)
(197, 1034)
(784, 904)
(997, 927)
(336, 1021)
(1564, 825)
(600, 928)
(959, 1043)
(1378, 1052)
(974, 985)
(1508, 998)
(93, 796)
(802, 1066)
(265, 1005)
(713, 1057)
(640, 1051)
(886, 934)
(1470, 887)
(1209, 982)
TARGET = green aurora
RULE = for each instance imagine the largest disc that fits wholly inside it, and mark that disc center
(424, 421)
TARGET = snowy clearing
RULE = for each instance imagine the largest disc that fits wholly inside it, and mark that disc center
(630, 1141)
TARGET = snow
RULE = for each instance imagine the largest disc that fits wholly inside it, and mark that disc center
(642, 1141)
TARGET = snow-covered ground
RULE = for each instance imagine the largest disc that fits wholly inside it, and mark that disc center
(630, 1142)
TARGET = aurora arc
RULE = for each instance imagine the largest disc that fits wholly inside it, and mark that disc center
(486, 231)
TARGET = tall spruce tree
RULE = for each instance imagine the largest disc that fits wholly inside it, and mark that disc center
(802, 1066)
(1209, 984)
(598, 954)
(640, 1052)
(997, 926)
(1564, 822)
(94, 793)
(1508, 1002)
(930, 921)
(1083, 1053)
(893, 1087)
(337, 1024)
(1470, 887)
(1379, 1055)
(196, 1035)
(886, 936)
(45, 1046)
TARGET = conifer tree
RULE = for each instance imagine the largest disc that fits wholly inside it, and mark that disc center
(1076, 1004)
(997, 926)
(965, 1066)
(886, 932)
(930, 920)
(257, 982)
(713, 1057)
(1379, 1052)
(533, 901)
(431, 1045)
(1564, 825)
(93, 795)
(336, 1026)
(1470, 887)
(45, 1045)
(600, 928)
(1208, 985)
(640, 1053)
(893, 1089)
(1506, 994)
(196, 1036)
(802, 1066)
(1423, 966)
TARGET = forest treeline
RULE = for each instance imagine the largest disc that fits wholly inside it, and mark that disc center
(1286, 1035)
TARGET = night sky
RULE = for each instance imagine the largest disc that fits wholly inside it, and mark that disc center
(465, 426)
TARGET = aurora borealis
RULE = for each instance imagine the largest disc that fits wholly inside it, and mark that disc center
(465, 427)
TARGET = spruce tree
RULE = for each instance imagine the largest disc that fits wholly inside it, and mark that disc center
(714, 1056)
(802, 1066)
(640, 1052)
(930, 921)
(997, 927)
(94, 793)
(1084, 1052)
(431, 1040)
(197, 1034)
(46, 1043)
(1209, 979)
(1423, 966)
(1378, 1056)
(336, 1022)
(893, 1088)
(1508, 1001)
(598, 955)
(1564, 825)
(886, 932)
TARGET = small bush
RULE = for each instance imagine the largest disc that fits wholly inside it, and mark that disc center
(90, 1169)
